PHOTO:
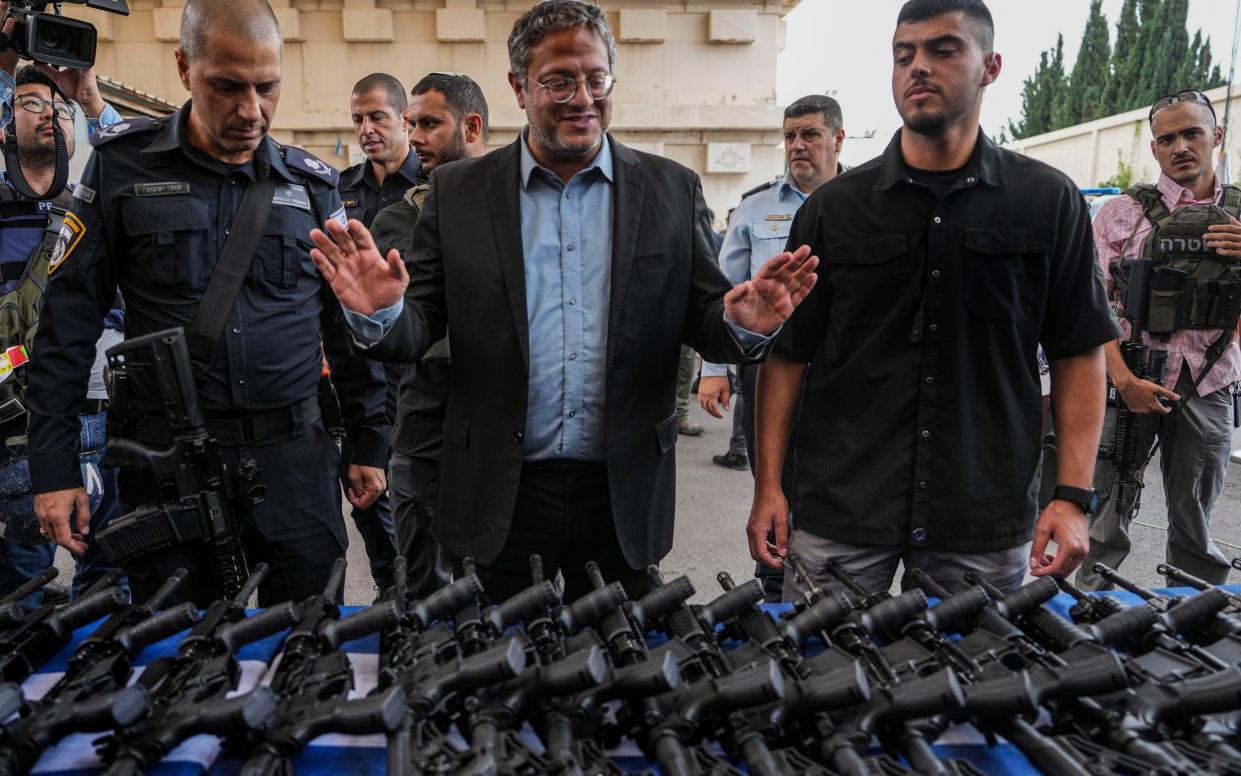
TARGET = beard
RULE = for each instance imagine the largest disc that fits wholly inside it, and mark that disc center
(455, 150)
(935, 123)
(560, 150)
(38, 153)
(929, 124)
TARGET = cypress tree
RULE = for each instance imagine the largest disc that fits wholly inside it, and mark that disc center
(1153, 56)
(1149, 72)
(1114, 94)
(1084, 101)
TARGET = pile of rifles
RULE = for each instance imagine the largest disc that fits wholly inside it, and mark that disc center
(859, 682)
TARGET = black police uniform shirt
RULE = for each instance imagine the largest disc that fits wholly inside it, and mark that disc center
(151, 216)
(363, 196)
(921, 422)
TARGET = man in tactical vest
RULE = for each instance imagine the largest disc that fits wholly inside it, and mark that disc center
(447, 116)
(1195, 298)
(28, 230)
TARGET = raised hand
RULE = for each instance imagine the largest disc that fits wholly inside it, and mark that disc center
(81, 86)
(363, 279)
(766, 301)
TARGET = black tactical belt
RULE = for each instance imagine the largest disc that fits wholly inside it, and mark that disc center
(235, 430)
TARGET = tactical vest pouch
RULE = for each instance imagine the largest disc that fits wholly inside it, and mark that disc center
(1192, 286)
(1167, 288)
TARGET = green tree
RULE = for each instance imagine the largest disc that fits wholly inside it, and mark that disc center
(1126, 49)
(1153, 55)
(1150, 70)
(1042, 94)
(1084, 98)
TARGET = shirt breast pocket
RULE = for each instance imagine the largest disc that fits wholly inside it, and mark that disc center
(862, 270)
(169, 238)
(282, 261)
(769, 238)
(1003, 272)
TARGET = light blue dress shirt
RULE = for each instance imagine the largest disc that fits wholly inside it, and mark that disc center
(758, 231)
(566, 237)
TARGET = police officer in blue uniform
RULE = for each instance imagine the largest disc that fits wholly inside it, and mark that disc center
(151, 216)
(377, 107)
(758, 230)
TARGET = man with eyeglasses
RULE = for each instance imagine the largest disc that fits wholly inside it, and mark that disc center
(27, 234)
(567, 270)
(1191, 414)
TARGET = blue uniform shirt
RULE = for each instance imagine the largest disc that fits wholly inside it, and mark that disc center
(151, 216)
(757, 232)
(363, 196)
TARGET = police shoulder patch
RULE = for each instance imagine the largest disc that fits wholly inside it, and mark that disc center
(71, 233)
(305, 162)
(127, 127)
(760, 187)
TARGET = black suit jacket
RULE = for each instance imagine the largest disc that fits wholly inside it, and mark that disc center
(467, 276)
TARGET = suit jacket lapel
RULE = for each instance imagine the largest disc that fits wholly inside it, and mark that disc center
(502, 183)
(627, 199)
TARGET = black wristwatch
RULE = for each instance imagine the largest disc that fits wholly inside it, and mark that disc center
(1086, 498)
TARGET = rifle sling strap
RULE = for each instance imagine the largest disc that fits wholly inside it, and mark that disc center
(203, 337)
(1215, 351)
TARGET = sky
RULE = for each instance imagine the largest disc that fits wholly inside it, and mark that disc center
(843, 47)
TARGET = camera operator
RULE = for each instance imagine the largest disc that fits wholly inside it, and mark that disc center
(42, 96)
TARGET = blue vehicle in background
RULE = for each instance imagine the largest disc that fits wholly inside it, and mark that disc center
(1096, 197)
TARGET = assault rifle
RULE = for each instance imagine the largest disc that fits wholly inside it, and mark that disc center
(11, 609)
(1084, 719)
(896, 701)
(314, 678)
(1146, 363)
(202, 498)
(573, 730)
(1215, 624)
(188, 691)
(45, 630)
(432, 665)
(92, 695)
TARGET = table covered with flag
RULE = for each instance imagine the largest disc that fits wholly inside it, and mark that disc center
(345, 754)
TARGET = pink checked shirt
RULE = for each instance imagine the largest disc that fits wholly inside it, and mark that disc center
(1114, 234)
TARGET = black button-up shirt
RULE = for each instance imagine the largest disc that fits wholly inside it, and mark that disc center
(362, 195)
(152, 216)
(921, 421)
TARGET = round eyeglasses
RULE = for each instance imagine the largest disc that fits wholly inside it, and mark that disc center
(36, 104)
(561, 89)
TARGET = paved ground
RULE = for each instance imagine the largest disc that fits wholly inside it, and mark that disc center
(713, 504)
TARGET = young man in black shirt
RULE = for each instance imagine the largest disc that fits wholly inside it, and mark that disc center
(946, 261)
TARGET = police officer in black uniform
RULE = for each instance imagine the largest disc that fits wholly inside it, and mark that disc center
(152, 216)
(377, 107)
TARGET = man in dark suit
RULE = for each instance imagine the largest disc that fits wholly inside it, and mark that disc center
(569, 273)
